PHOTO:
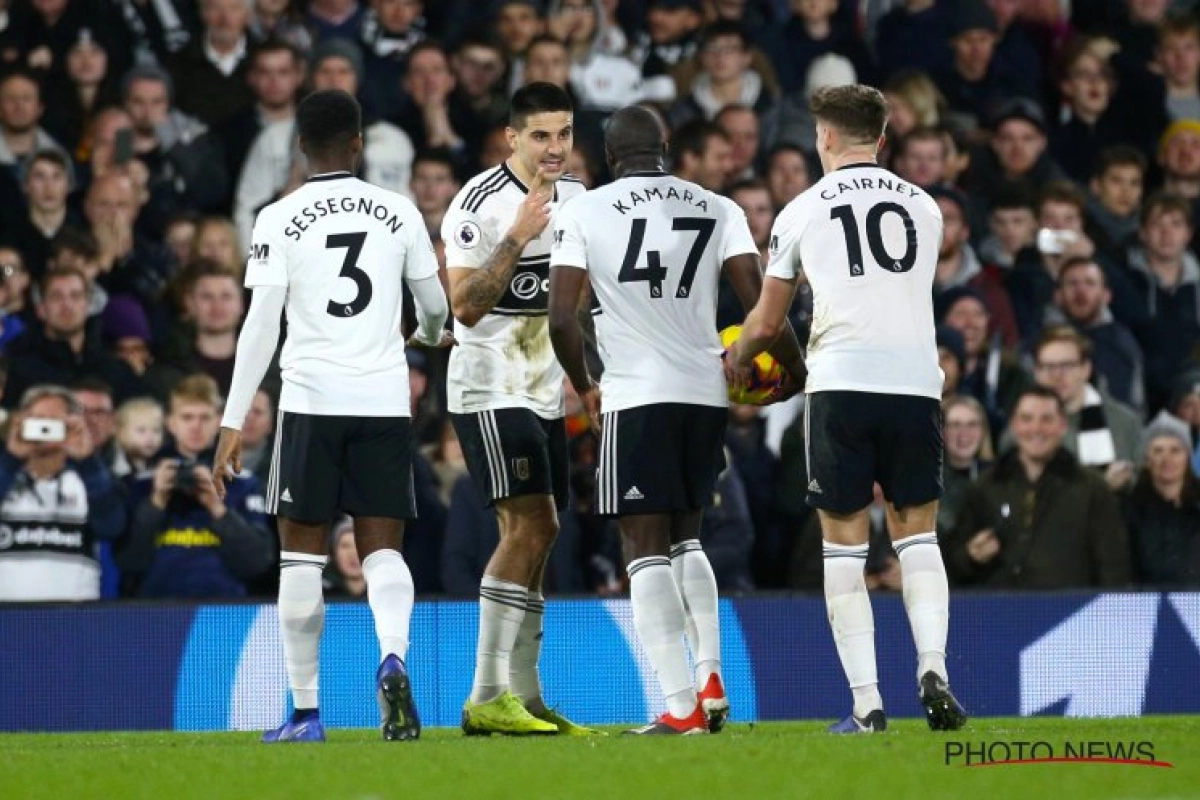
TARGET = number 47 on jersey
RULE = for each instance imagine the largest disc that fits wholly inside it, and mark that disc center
(654, 273)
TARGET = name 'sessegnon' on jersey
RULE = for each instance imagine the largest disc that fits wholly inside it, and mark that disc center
(505, 360)
(653, 246)
(342, 248)
(867, 242)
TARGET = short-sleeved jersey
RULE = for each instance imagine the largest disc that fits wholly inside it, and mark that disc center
(868, 243)
(506, 360)
(653, 246)
(343, 248)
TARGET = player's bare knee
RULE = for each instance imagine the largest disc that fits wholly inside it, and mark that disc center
(911, 520)
(849, 529)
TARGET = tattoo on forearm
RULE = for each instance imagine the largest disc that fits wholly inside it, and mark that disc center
(486, 285)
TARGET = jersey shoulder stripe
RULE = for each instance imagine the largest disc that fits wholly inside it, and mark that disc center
(487, 181)
(477, 203)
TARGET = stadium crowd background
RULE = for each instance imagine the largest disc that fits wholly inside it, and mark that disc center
(139, 138)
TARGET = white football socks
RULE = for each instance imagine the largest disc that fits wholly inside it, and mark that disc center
(660, 620)
(698, 587)
(926, 598)
(852, 622)
(390, 593)
(523, 677)
(501, 610)
(301, 620)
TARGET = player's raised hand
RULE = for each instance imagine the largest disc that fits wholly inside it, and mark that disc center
(533, 215)
(228, 461)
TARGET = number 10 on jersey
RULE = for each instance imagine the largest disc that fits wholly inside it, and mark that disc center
(654, 273)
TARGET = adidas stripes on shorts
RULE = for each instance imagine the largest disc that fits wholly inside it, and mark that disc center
(853, 439)
(512, 452)
(660, 459)
(323, 466)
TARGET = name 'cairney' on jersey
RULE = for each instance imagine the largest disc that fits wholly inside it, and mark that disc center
(327, 206)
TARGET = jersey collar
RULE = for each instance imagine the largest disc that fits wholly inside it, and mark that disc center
(512, 176)
(649, 173)
(329, 176)
(858, 165)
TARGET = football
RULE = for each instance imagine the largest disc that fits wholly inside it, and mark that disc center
(766, 374)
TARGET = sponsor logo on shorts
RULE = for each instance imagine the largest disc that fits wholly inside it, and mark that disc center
(814, 487)
(634, 494)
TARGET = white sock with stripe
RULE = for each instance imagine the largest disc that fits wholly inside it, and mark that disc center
(926, 599)
(301, 620)
(659, 619)
(853, 622)
(390, 593)
(698, 587)
(501, 610)
(523, 677)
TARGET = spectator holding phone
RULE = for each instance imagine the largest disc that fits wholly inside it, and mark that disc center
(184, 540)
(59, 502)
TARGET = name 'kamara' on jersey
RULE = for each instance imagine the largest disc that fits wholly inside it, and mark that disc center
(874, 184)
(339, 205)
(647, 194)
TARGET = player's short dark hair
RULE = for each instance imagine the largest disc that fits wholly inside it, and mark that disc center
(634, 131)
(692, 138)
(328, 120)
(856, 111)
(538, 97)
(1164, 201)
(1120, 155)
(1041, 393)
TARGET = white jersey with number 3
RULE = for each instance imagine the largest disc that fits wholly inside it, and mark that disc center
(868, 243)
(342, 248)
(653, 246)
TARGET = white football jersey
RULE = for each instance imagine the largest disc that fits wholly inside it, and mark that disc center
(343, 248)
(506, 360)
(868, 243)
(653, 246)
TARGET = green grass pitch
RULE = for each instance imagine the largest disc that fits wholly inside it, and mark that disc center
(746, 762)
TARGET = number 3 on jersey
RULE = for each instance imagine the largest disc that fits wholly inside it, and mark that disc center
(353, 242)
(902, 263)
(654, 272)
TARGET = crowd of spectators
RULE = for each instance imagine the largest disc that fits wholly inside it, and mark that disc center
(1060, 138)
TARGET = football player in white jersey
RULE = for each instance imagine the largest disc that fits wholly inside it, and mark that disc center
(337, 253)
(868, 244)
(653, 247)
(505, 399)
